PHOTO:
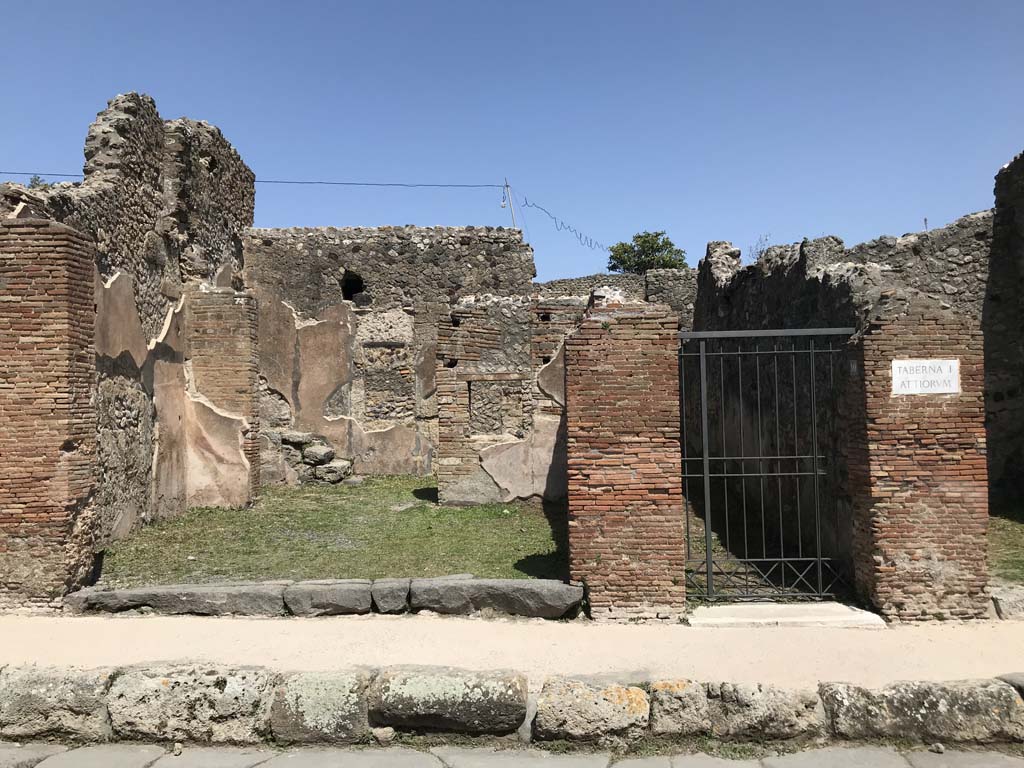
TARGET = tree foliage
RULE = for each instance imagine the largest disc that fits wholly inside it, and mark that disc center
(647, 250)
(38, 182)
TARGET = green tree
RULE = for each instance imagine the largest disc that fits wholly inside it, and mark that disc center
(38, 182)
(648, 250)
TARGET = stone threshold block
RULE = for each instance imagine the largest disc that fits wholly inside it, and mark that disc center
(461, 594)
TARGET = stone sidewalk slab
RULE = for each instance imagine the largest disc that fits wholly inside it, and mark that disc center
(26, 755)
(753, 615)
(707, 761)
(454, 757)
(395, 757)
(955, 759)
(839, 757)
(216, 757)
(106, 756)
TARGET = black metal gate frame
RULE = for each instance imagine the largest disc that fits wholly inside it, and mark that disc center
(763, 568)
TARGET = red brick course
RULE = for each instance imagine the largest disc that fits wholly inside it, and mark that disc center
(626, 525)
(917, 473)
(48, 432)
(224, 355)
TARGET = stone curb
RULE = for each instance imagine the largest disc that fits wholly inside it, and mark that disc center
(211, 704)
(461, 595)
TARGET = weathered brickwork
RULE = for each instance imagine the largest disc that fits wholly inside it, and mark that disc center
(47, 443)
(917, 473)
(626, 536)
(484, 385)
(223, 363)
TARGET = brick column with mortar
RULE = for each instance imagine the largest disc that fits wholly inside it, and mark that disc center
(917, 471)
(626, 524)
(48, 434)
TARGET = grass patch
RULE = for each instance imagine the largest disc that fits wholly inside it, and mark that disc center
(1006, 546)
(388, 526)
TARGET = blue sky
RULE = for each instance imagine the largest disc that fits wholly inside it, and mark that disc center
(711, 120)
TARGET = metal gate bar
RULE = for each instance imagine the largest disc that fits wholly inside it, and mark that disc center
(797, 566)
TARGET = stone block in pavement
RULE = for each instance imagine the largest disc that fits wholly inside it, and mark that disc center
(956, 759)
(321, 707)
(441, 698)
(839, 757)
(215, 757)
(679, 708)
(249, 599)
(757, 712)
(976, 711)
(391, 757)
(50, 702)
(204, 704)
(1009, 601)
(456, 757)
(106, 756)
(707, 761)
(1016, 679)
(545, 598)
(578, 711)
(26, 755)
(391, 595)
(329, 597)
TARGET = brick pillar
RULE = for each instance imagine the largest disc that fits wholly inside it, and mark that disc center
(626, 526)
(47, 422)
(917, 474)
(224, 363)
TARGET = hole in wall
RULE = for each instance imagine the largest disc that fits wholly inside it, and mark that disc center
(545, 317)
(456, 321)
(451, 362)
(351, 286)
(546, 359)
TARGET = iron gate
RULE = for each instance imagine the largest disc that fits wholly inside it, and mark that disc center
(759, 463)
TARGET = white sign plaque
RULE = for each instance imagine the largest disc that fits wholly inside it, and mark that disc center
(925, 377)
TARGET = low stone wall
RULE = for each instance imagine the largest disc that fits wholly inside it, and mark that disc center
(461, 594)
(209, 704)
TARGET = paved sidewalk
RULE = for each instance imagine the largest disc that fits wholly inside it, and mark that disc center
(786, 656)
(136, 756)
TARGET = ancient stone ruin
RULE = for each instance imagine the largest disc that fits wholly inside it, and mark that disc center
(157, 353)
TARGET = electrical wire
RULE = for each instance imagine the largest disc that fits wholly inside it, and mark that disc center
(560, 225)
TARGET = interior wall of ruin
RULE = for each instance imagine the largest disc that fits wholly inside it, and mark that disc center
(165, 203)
(348, 339)
(1002, 323)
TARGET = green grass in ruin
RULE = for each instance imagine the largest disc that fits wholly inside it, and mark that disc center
(384, 527)
(1006, 545)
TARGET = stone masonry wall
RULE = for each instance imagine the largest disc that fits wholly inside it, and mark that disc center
(632, 286)
(918, 478)
(369, 299)
(165, 203)
(1003, 321)
(500, 358)
(908, 474)
(47, 443)
(626, 536)
(675, 287)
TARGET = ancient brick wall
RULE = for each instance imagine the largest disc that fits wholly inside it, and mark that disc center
(907, 474)
(223, 363)
(1003, 321)
(484, 391)
(371, 299)
(626, 537)
(47, 443)
(917, 471)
